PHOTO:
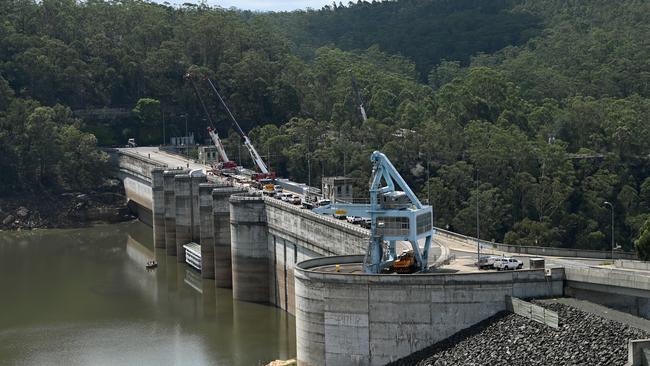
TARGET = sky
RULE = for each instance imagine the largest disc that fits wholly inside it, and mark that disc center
(261, 5)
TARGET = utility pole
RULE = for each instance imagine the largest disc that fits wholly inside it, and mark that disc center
(187, 142)
(612, 207)
(163, 121)
(309, 171)
(478, 231)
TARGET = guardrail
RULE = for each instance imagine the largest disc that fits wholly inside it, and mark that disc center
(537, 250)
(317, 217)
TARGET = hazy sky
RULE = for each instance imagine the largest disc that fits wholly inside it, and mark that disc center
(276, 5)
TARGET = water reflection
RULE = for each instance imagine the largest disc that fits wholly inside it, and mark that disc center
(84, 297)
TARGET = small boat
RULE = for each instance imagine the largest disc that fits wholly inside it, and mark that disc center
(151, 264)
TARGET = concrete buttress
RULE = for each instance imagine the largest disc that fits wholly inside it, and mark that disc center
(183, 208)
(157, 183)
(250, 257)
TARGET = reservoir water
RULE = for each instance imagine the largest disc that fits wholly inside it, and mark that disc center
(84, 297)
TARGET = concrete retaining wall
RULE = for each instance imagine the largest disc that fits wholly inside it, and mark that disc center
(628, 264)
(623, 290)
(358, 319)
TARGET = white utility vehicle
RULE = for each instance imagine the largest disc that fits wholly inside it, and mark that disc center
(506, 263)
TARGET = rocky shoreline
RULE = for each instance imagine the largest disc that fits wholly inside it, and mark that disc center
(28, 211)
(509, 339)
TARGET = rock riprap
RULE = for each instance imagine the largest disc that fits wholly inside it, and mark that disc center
(509, 339)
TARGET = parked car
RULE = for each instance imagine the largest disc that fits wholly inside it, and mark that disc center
(365, 223)
(286, 197)
(487, 261)
(506, 263)
(340, 214)
(294, 200)
(354, 219)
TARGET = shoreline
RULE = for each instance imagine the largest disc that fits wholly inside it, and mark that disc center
(65, 210)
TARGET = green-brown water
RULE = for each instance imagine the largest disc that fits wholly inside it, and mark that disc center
(83, 297)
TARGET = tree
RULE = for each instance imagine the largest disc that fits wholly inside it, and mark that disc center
(642, 243)
(148, 113)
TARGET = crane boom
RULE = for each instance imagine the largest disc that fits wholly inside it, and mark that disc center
(211, 130)
(247, 142)
(217, 142)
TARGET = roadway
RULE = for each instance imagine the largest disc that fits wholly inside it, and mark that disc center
(172, 160)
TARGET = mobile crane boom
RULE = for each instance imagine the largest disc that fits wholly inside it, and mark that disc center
(211, 130)
(247, 142)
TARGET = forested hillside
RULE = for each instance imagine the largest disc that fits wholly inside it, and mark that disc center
(545, 102)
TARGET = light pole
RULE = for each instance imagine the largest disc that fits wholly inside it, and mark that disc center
(163, 121)
(185, 140)
(478, 231)
(612, 207)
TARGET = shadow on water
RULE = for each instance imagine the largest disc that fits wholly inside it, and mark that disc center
(84, 297)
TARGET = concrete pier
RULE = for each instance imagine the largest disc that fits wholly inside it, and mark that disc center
(158, 205)
(250, 257)
(197, 178)
(221, 227)
(206, 229)
(183, 209)
(170, 209)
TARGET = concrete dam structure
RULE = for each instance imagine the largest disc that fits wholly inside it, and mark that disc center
(376, 319)
(270, 251)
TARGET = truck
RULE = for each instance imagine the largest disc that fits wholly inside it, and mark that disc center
(506, 263)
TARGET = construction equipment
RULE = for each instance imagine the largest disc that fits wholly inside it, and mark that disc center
(225, 163)
(405, 262)
(360, 107)
(395, 215)
(264, 172)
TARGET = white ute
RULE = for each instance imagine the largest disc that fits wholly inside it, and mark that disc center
(506, 263)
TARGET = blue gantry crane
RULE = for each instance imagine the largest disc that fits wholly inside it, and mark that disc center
(396, 214)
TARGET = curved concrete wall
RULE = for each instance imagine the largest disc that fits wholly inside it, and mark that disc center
(221, 226)
(135, 170)
(250, 257)
(359, 319)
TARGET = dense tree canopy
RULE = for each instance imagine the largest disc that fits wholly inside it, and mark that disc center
(535, 110)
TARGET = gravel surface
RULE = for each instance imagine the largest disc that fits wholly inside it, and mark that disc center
(508, 339)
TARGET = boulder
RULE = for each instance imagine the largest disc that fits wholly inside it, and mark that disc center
(22, 212)
(8, 220)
